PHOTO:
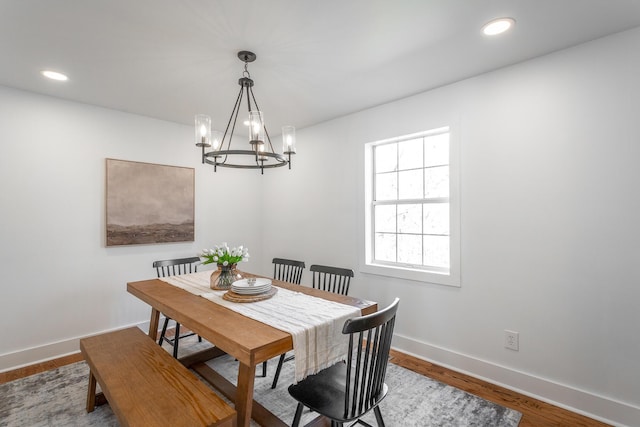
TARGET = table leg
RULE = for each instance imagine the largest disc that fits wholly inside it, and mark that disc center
(153, 323)
(259, 413)
(91, 393)
(244, 396)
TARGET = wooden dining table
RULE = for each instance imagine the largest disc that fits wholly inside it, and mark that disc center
(249, 341)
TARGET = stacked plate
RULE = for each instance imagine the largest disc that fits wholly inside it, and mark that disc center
(251, 286)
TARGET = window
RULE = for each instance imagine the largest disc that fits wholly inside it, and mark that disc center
(411, 224)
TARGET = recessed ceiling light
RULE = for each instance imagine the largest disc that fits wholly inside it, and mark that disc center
(498, 26)
(53, 75)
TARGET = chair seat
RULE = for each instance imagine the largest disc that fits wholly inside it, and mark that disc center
(324, 392)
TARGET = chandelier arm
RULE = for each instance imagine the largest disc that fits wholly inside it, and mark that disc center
(236, 107)
(266, 133)
(234, 118)
(250, 91)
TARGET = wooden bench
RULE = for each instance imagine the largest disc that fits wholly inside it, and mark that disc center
(145, 386)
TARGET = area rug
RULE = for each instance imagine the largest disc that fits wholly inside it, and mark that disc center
(57, 398)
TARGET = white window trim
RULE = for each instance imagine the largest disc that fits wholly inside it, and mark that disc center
(366, 264)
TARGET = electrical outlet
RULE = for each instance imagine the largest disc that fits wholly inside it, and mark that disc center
(511, 340)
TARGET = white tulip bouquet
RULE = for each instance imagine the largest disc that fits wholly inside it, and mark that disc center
(223, 255)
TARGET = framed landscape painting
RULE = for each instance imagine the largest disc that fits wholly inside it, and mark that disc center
(149, 203)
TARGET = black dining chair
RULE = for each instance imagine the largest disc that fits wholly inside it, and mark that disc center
(287, 270)
(331, 279)
(345, 392)
(174, 267)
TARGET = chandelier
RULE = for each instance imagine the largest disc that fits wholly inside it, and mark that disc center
(260, 153)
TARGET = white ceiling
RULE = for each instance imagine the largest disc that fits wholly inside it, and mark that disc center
(317, 60)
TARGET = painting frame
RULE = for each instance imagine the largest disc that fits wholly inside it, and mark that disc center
(148, 203)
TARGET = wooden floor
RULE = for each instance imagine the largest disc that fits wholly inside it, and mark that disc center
(535, 412)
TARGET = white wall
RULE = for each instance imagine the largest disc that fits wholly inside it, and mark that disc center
(549, 222)
(59, 282)
(550, 208)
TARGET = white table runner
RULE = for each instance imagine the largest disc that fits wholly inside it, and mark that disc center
(314, 323)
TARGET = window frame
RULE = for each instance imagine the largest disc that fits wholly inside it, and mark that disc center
(437, 275)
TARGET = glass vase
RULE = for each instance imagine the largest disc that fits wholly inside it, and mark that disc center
(224, 276)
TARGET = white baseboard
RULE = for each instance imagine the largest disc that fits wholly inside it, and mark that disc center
(597, 407)
(31, 356)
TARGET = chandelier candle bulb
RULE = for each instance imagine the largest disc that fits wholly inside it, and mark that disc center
(216, 140)
(256, 129)
(261, 156)
(288, 142)
(203, 131)
(288, 139)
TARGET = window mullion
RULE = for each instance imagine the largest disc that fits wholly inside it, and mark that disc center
(411, 201)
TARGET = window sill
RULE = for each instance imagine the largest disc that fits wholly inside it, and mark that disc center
(439, 278)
